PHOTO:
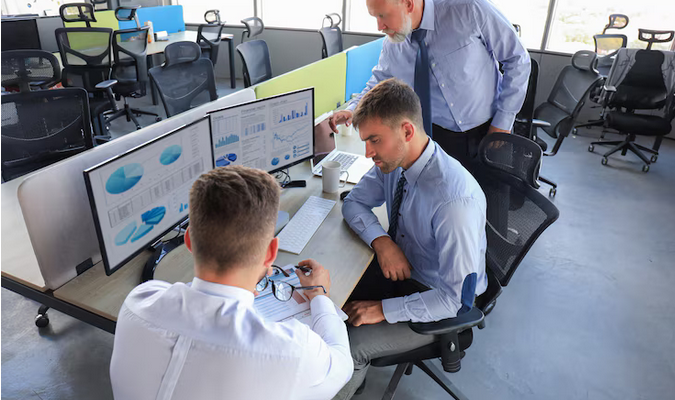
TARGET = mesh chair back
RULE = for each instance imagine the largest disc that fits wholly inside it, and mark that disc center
(22, 69)
(42, 127)
(517, 214)
(85, 56)
(332, 41)
(517, 155)
(183, 77)
(78, 12)
(608, 44)
(130, 68)
(256, 60)
(208, 39)
(523, 125)
(254, 27)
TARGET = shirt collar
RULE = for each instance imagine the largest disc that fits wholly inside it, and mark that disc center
(415, 170)
(428, 16)
(217, 289)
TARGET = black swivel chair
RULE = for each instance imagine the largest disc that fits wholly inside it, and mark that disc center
(331, 35)
(39, 127)
(255, 54)
(608, 44)
(184, 76)
(639, 80)
(86, 58)
(514, 222)
(208, 39)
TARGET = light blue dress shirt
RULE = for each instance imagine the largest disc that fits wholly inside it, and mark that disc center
(441, 230)
(465, 40)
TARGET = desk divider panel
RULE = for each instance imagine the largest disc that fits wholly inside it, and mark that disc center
(165, 18)
(55, 205)
(327, 76)
(360, 63)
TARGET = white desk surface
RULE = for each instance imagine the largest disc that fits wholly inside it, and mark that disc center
(334, 245)
(18, 258)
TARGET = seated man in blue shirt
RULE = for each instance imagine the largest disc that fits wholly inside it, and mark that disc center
(434, 251)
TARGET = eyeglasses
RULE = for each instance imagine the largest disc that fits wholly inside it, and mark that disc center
(283, 291)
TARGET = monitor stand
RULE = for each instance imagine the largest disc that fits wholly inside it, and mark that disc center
(161, 249)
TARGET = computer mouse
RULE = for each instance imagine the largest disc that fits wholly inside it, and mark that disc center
(344, 194)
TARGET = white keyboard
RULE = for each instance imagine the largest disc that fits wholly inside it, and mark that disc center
(345, 160)
(300, 229)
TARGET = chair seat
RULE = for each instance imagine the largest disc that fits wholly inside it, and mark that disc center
(551, 114)
(638, 124)
(640, 98)
(432, 350)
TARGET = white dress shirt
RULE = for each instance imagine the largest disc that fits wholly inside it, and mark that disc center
(206, 341)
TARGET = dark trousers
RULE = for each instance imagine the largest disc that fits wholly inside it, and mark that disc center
(374, 286)
(462, 146)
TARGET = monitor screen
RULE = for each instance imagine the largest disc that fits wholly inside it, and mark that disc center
(269, 134)
(139, 196)
(20, 34)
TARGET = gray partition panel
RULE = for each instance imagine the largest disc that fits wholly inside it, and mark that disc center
(46, 27)
(56, 208)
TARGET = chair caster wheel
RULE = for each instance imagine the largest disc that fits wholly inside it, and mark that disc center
(41, 320)
(603, 161)
(552, 192)
(574, 131)
(654, 158)
(157, 119)
(591, 148)
(645, 168)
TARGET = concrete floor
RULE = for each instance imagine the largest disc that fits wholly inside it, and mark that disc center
(587, 316)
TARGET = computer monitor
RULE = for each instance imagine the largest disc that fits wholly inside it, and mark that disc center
(269, 134)
(139, 196)
(20, 34)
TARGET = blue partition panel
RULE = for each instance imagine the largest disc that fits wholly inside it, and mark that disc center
(360, 63)
(166, 18)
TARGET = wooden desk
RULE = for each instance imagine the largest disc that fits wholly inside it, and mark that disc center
(334, 245)
(18, 258)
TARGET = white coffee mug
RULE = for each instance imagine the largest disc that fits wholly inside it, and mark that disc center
(330, 173)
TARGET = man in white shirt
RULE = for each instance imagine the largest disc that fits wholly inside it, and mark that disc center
(205, 340)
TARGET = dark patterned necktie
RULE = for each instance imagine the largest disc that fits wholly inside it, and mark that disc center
(393, 218)
(422, 77)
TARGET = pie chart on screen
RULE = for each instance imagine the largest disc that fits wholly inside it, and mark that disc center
(170, 154)
(124, 178)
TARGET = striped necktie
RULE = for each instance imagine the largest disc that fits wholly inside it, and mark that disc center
(393, 218)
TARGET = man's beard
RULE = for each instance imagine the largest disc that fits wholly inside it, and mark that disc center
(399, 37)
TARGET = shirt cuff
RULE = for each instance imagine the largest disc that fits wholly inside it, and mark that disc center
(394, 310)
(503, 120)
(322, 305)
(371, 233)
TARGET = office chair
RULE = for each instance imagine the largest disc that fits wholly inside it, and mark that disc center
(514, 222)
(129, 77)
(213, 17)
(42, 127)
(331, 35)
(639, 80)
(526, 125)
(26, 70)
(183, 77)
(86, 59)
(208, 38)
(652, 36)
(255, 54)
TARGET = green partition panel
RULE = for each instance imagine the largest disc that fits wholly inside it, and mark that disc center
(104, 19)
(328, 77)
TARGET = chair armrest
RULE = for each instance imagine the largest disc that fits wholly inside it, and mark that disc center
(460, 323)
(608, 88)
(106, 84)
(540, 123)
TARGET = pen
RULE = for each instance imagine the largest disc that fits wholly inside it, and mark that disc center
(306, 270)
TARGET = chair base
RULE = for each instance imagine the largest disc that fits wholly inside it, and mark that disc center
(428, 369)
(554, 186)
(130, 113)
(625, 146)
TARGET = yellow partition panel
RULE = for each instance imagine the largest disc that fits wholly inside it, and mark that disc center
(327, 76)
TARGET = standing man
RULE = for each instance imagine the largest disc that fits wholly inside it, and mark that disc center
(448, 51)
(206, 340)
(431, 261)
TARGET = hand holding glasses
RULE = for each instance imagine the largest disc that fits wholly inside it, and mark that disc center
(283, 291)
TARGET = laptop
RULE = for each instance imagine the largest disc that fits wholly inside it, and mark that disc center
(325, 149)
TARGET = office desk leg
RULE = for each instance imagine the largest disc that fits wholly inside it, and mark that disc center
(233, 83)
(151, 64)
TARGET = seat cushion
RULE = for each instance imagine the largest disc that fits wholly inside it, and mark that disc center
(551, 114)
(639, 98)
(643, 125)
(432, 350)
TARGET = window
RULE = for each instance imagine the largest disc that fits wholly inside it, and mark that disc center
(576, 21)
(358, 19)
(530, 15)
(305, 14)
(231, 11)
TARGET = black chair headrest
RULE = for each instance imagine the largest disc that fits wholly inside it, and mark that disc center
(213, 17)
(254, 27)
(584, 60)
(182, 52)
(616, 21)
(126, 13)
(651, 36)
(77, 12)
(334, 20)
